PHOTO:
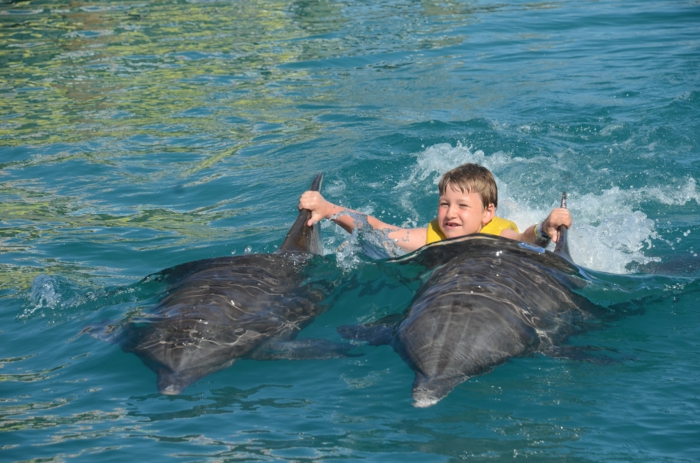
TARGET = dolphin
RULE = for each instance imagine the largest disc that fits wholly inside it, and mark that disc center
(216, 311)
(488, 299)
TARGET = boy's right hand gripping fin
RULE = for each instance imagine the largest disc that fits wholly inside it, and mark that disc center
(562, 246)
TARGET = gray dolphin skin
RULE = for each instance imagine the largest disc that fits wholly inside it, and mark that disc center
(219, 310)
(488, 299)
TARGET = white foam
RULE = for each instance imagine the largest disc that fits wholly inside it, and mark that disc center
(610, 231)
(438, 159)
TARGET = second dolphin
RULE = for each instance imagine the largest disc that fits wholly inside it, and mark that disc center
(219, 310)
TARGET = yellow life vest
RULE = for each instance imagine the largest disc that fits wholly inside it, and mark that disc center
(494, 227)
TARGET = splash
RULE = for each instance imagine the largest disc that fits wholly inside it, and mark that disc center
(610, 231)
(438, 159)
(57, 298)
(365, 240)
(50, 296)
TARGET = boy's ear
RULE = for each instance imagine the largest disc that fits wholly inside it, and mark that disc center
(489, 212)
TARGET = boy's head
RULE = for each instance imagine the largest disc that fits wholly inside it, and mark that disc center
(471, 178)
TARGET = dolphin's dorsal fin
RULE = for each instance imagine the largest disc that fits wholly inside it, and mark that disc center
(302, 238)
(562, 247)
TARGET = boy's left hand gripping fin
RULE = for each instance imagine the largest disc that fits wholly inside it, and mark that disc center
(302, 238)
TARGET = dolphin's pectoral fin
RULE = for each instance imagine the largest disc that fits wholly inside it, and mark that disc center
(581, 353)
(429, 391)
(107, 330)
(377, 333)
(300, 349)
(633, 307)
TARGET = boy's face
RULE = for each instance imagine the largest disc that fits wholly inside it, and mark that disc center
(461, 213)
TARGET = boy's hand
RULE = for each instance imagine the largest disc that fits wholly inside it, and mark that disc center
(558, 217)
(319, 207)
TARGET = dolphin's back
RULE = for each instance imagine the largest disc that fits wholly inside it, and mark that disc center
(488, 299)
(302, 238)
(217, 313)
(483, 307)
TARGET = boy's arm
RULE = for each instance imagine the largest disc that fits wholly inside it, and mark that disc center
(550, 227)
(408, 239)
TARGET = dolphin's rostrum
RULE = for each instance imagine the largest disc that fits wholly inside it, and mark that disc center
(216, 311)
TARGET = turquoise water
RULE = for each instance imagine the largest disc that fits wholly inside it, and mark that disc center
(135, 136)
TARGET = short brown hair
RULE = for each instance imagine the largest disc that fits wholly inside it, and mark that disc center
(472, 178)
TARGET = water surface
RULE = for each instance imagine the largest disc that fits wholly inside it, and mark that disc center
(137, 136)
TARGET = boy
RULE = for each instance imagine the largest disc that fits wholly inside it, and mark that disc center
(467, 204)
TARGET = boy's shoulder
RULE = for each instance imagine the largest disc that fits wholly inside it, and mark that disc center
(497, 225)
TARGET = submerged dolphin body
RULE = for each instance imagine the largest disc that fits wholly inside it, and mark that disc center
(488, 299)
(219, 310)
